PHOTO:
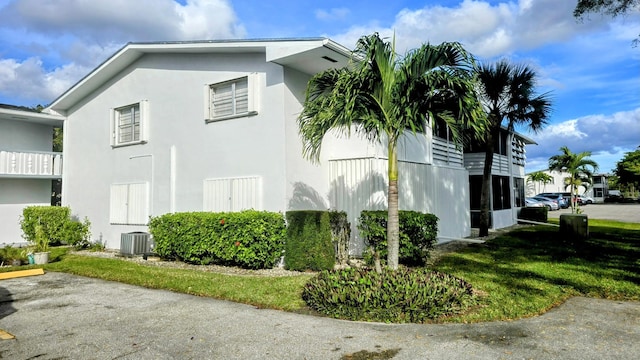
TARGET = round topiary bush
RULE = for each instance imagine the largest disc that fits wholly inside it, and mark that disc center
(405, 295)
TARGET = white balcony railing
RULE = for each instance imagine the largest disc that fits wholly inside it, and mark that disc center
(30, 163)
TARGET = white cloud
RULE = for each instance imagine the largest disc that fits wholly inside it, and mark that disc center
(485, 29)
(606, 136)
(77, 35)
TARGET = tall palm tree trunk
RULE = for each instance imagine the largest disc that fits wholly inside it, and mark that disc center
(393, 222)
(485, 197)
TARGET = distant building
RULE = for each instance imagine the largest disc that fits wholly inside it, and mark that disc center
(598, 190)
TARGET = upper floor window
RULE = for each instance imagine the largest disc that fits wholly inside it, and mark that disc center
(231, 99)
(128, 124)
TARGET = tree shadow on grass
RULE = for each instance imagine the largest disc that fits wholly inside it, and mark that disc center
(608, 254)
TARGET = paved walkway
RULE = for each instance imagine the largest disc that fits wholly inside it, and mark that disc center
(61, 316)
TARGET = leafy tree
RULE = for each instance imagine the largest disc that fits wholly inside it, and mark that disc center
(540, 177)
(608, 7)
(579, 167)
(383, 96)
(506, 93)
(628, 170)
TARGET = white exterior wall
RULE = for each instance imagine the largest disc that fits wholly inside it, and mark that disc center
(362, 184)
(18, 192)
(182, 150)
(15, 195)
(184, 155)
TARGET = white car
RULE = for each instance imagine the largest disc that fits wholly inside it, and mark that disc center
(586, 199)
(549, 203)
(530, 202)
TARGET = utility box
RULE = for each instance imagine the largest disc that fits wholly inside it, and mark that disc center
(135, 243)
(574, 226)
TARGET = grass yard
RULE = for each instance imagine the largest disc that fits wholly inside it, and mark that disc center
(520, 274)
(530, 270)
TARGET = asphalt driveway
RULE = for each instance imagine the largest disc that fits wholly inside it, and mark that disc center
(62, 316)
(619, 212)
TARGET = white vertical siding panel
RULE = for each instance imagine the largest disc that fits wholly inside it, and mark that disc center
(359, 184)
(118, 204)
(138, 198)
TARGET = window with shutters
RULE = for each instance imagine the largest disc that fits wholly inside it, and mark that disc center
(232, 194)
(231, 99)
(129, 204)
(128, 124)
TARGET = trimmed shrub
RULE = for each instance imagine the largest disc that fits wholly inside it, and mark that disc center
(340, 234)
(406, 295)
(309, 242)
(539, 214)
(418, 235)
(249, 239)
(58, 226)
(51, 218)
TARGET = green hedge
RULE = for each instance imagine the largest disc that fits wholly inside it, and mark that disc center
(539, 214)
(309, 243)
(250, 239)
(58, 226)
(418, 235)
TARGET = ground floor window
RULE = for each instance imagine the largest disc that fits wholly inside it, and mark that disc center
(518, 192)
(232, 194)
(501, 190)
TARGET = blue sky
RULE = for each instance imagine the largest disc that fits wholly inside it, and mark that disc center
(590, 67)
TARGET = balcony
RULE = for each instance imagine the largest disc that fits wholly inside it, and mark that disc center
(30, 164)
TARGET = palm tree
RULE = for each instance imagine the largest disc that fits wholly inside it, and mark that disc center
(540, 177)
(579, 167)
(506, 93)
(382, 96)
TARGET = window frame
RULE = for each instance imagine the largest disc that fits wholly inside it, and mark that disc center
(116, 127)
(251, 98)
(501, 192)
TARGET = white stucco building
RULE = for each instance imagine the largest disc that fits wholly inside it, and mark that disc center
(212, 126)
(27, 166)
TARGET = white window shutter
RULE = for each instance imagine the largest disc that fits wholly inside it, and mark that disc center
(118, 204)
(232, 194)
(208, 98)
(144, 120)
(129, 204)
(138, 207)
(112, 126)
(253, 85)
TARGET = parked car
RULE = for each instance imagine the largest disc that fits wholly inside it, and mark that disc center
(531, 202)
(562, 202)
(551, 204)
(586, 199)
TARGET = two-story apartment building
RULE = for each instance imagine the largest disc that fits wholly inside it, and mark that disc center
(212, 126)
(27, 165)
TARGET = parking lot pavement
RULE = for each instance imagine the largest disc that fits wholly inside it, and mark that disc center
(619, 212)
(62, 316)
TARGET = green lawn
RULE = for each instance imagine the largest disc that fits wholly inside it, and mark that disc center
(532, 269)
(519, 274)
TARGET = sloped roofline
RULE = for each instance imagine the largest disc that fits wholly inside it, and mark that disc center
(282, 51)
(17, 113)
